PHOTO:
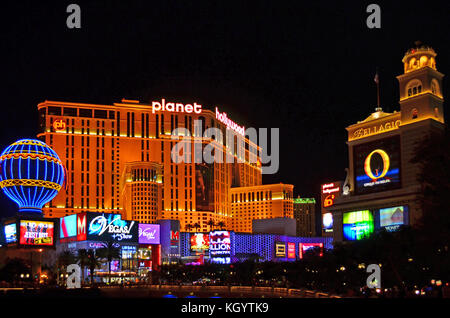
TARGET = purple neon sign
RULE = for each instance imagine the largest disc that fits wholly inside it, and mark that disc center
(149, 233)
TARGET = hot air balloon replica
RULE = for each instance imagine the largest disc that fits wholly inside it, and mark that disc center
(31, 174)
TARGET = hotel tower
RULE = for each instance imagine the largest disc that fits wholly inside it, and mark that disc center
(118, 160)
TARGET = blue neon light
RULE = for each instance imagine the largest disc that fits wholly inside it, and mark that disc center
(31, 174)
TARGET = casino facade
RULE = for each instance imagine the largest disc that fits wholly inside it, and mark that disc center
(382, 187)
(118, 160)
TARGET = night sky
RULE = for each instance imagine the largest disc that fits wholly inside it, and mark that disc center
(306, 67)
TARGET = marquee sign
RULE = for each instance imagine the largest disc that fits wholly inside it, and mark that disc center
(110, 227)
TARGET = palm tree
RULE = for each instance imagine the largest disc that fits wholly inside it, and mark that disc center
(211, 224)
(196, 226)
(110, 253)
(221, 225)
(82, 258)
(93, 263)
(65, 259)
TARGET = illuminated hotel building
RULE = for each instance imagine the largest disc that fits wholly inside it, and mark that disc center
(118, 160)
(305, 216)
(382, 187)
(260, 202)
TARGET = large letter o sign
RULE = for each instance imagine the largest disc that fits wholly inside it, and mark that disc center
(386, 163)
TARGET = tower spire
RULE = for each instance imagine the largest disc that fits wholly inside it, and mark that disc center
(377, 81)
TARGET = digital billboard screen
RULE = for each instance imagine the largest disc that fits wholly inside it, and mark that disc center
(358, 225)
(392, 218)
(204, 187)
(68, 228)
(111, 228)
(327, 222)
(149, 233)
(199, 242)
(36, 233)
(377, 165)
(10, 231)
(291, 250)
(220, 247)
(305, 247)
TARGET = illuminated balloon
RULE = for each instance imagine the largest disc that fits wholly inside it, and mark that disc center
(31, 174)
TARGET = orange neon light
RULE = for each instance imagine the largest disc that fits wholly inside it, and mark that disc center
(329, 200)
(29, 155)
(59, 125)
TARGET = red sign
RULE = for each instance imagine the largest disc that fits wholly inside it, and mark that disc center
(330, 192)
(81, 227)
(36, 232)
(303, 247)
(145, 263)
(291, 250)
(174, 235)
(199, 242)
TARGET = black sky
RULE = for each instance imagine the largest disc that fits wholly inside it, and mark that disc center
(306, 67)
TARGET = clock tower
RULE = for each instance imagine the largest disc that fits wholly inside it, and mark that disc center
(421, 94)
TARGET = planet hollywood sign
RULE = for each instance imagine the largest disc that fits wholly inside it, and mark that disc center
(223, 118)
(257, 139)
(176, 107)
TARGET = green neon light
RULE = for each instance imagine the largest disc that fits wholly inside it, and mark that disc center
(304, 200)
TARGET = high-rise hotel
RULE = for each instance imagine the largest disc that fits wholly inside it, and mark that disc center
(118, 160)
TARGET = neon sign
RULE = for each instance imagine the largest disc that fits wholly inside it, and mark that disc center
(330, 188)
(374, 130)
(81, 227)
(176, 107)
(59, 125)
(31, 174)
(220, 247)
(222, 117)
(280, 249)
(111, 227)
(330, 192)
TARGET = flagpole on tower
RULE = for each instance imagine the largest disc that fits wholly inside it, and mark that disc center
(377, 80)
